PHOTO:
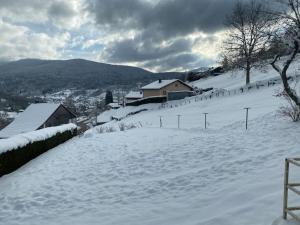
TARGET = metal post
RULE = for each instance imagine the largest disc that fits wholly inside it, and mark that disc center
(178, 121)
(205, 124)
(160, 121)
(247, 113)
(285, 189)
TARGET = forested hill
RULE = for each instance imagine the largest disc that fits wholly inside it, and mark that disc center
(33, 75)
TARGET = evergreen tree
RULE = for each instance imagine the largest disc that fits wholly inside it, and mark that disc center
(108, 97)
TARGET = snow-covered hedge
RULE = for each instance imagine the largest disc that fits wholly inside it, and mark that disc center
(24, 139)
(19, 149)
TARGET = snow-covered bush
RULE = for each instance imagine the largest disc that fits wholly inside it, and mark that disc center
(100, 129)
(110, 129)
(122, 126)
(131, 126)
(290, 110)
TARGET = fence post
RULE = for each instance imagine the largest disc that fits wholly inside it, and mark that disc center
(285, 189)
(178, 120)
(160, 121)
(247, 112)
(205, 124)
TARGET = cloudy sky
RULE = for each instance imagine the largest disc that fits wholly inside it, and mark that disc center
(159, 35)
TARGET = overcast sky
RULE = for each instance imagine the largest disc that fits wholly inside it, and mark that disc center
(159, 35)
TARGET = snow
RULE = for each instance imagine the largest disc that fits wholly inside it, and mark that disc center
(189, 176)
(222, 111)
(123, 112)
(114, 105)
(10, 115)
(159, 84)
(236, 78)
(134, 94)
(31, 119)
(285, 222)
(24, 139)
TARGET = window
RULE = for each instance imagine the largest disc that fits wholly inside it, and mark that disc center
(176, 85)
(164, 92)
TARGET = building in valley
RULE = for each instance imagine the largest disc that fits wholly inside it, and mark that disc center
(38, 116)
(172, 89)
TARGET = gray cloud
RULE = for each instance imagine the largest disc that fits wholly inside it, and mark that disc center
(156, 34)
(134, 50)
(61, 10)
(155, 23)
(169, 17)
(184, 61)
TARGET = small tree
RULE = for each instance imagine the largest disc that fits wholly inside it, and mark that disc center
(247, 36)
(108, 97)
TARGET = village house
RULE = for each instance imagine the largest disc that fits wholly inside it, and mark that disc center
(133, 96)
(172, 89)
(38, 116)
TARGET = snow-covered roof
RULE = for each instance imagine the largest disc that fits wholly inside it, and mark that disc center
(114, 105)
(161, 83)
(134, 94)
(31, 119)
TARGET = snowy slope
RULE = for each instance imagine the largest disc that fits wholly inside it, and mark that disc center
(190, 176)
(236, 78)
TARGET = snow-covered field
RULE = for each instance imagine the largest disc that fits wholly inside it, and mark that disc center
(236, 78)
(224, 175)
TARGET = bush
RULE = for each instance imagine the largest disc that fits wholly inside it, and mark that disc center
(110, 129)
(291, 110)
(122, 126)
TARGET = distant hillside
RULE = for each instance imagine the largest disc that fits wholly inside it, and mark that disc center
(30, 76)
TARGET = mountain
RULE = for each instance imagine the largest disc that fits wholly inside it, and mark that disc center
(201, 69)
(30, 76)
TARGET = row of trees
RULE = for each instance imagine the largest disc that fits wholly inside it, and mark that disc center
(258, 33)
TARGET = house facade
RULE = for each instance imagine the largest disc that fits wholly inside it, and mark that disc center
(60, 116)
(163, 87)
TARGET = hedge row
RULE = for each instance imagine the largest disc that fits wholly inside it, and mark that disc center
(14, 159)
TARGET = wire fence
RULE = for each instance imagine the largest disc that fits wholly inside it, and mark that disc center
(164, 122)
(217, 93)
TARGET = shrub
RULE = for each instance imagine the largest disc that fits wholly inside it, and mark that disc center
(291, 110)
(110, 129)
(122, 126)
(100, 129)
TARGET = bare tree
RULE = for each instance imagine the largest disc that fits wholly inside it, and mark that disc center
(248, 35)
(288, 33)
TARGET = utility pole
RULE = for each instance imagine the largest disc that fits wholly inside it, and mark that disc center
(178, 121)
(205, 123)
(247, 114)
